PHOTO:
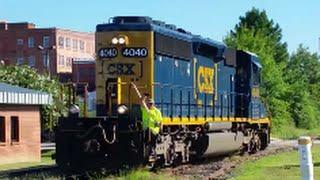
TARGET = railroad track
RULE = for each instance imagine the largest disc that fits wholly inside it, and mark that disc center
(24, 171)
(221, 167)
(53, 171)
(215, 168)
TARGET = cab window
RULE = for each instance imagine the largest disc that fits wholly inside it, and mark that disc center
(255, 74)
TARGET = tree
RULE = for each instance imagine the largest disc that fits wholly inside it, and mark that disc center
(26, 77)
(258, 22)
(257, 34)
(303, 75)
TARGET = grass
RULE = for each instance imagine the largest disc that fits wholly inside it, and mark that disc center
(141, 174)
(294, 133)
(280, 166)
(134, 174)
(45, 160)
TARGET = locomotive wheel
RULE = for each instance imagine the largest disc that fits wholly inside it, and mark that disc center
(177, 160)
(255, 144)
(151, 165)
(244, 149)
(264, 140)
(170, 157)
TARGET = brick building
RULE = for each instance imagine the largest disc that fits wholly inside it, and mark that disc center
(83, 71)
(45, 49)
(20, 124)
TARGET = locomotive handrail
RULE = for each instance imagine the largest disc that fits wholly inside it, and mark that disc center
(125, 83)
(178, 86)
(179, 104)
(99, 126)
(105, 135)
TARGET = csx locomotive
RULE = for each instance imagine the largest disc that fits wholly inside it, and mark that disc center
(208, 95)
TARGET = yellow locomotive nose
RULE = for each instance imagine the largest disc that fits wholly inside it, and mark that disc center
(122, 57)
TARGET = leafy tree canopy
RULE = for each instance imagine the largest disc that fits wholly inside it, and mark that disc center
(303, 75)
(290, 87)
(259, 23)
(251, 34)
(26, 77)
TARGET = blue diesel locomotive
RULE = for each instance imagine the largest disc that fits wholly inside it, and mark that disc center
(208, 95)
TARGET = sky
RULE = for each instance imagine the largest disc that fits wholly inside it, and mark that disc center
(299, 20)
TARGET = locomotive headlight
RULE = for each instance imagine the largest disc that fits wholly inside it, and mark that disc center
(114, 40)
(122, 40)
(74, 109)
(122, 109)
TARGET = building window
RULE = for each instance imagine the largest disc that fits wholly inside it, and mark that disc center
(45, 59)
(20, 60)
(68, 61)
(32, 61)
(81, 46)
(75, 44)
(15, 129)
(2, 129)
(19, 41)
(61, 42)
(46, 41)
(68, 43)
(30, 42)
(61, 60)
(88, 48)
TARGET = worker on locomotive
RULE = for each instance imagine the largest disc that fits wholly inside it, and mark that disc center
(151, 122)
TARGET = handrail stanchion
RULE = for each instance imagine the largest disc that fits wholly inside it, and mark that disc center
(74, 86)
(69, 95)
(85, 113)
(196, 106)
(205, 106)
(241, 105)
(171, 103)
(213, 105)
(228, 105)
(221, 105)
(161, 98)
(189, 104)
(180, 104)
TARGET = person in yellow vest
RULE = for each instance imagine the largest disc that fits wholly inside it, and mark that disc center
(151, 118)
(151, 115)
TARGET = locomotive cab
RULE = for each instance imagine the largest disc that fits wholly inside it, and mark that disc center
(248, 81)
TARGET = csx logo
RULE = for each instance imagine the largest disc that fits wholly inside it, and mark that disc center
(205, 79)
(255, 92)
(121, 69)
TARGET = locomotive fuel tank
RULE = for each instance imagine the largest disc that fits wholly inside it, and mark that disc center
(223, 143)
(218, 126)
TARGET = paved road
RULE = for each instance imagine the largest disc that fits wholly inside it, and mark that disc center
(291, 143)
